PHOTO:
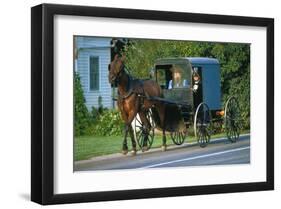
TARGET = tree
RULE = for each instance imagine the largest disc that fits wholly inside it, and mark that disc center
(234, 60)
(81, 114)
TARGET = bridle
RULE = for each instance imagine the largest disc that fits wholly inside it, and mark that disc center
(117, 77)
(119, 74)
(116, 81)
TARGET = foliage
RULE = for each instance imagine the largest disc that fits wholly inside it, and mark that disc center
(108, 123)
(140, 57)
(234, 59)
(99, 121)
(81, 114)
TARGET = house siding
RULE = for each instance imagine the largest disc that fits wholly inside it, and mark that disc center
(97, 47)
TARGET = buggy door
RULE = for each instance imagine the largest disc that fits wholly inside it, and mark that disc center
(197, 93)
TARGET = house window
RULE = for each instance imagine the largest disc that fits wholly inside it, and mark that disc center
(94, 73)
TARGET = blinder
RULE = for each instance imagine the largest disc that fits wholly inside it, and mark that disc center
(117, 77)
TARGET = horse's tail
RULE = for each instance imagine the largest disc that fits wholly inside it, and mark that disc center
(156, 117)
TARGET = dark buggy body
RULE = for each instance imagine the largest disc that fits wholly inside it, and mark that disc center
(192, 98)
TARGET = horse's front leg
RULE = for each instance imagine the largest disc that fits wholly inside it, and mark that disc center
(125, 130)
(134, 144)
(129, 112)
(125, 145)
(131, 116)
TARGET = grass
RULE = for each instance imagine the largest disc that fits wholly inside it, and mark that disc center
(86, 147)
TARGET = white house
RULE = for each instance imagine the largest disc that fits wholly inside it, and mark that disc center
(92, 56)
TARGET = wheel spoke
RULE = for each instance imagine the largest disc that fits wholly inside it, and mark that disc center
(202, 124)
(144, 133)
(232, 120)
(178, 137)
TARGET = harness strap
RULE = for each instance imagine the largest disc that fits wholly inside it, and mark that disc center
(128, 94)
(130, 90)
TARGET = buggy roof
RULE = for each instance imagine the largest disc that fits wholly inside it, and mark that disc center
(203, 60)
(192, 60)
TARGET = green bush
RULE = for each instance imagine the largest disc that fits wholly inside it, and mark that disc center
(108, 123)
(99, 121)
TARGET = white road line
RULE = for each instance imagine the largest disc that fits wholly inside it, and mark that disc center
(196, 157)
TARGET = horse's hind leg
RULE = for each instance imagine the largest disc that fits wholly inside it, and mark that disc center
(164, 145)
(162, 113)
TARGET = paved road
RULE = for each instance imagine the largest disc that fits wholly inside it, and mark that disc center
(218, 152)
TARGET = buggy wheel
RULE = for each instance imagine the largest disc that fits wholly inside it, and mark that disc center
(232, 119)
(202, 124)
(203, 138)
(178, 137)
(144, 135)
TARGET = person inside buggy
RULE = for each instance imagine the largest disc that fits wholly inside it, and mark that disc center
(177, 77)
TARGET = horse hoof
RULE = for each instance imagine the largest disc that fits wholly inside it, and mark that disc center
(145, 148)
(133, 152)
(124, 152)
(164, 148)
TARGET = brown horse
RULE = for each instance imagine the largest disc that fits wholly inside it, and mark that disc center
(133, 99)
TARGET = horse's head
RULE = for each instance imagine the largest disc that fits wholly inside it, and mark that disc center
(115, 68)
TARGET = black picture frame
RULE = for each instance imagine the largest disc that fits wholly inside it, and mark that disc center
(42, 103)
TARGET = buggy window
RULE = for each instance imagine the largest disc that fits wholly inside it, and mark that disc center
(173, 76)
(163, 75)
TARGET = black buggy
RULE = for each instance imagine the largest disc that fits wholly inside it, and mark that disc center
(192, 98)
